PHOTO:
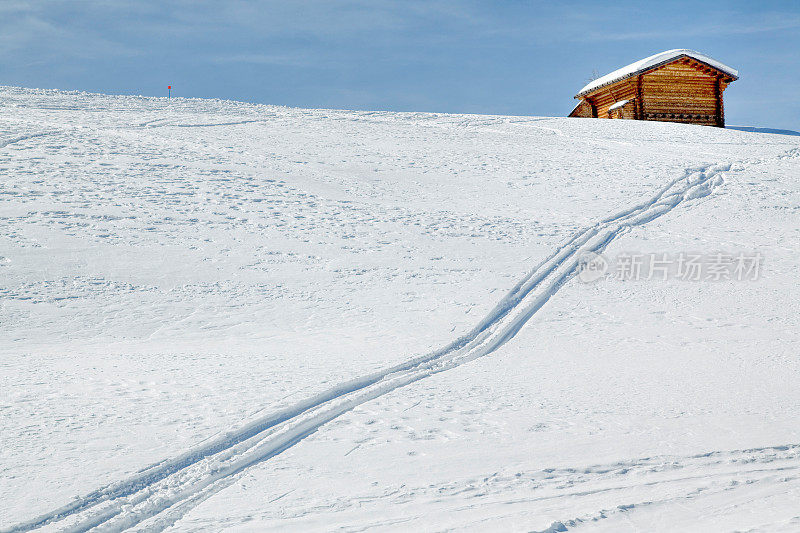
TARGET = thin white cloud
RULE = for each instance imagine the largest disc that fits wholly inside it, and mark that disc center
(766, 24)
(297, 60)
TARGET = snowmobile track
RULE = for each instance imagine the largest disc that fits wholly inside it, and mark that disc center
(159, 495)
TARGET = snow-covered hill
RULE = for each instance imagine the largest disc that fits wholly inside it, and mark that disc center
(216, 315)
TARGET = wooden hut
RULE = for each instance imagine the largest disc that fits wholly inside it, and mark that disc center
(673, 86)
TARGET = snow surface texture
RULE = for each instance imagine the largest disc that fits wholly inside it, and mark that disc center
(653, 60)
(260, 303)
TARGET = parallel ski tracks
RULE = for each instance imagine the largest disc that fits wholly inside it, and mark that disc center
(157, 496)
(20, 138)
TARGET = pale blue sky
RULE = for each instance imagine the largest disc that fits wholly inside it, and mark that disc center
(513, 57)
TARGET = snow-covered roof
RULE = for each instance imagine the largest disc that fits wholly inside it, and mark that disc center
(653, 61)
(619, 104)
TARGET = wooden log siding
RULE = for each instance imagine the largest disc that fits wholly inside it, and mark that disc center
(683, 90)
(680, 93)
(623, 90)
(639, 99)
(629, 110)
(584, 109)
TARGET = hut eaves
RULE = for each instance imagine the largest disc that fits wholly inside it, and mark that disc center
(654, 61)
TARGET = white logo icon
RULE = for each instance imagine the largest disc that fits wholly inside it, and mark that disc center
(591, 267)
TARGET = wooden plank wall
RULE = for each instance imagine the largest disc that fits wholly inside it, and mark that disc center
(683, 91)
(679, 92)
(629, 111)
(583, 110)
(624, 90)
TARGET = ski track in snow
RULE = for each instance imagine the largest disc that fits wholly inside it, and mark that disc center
(750, 464)
(159, 495)
(21, 138)
(161, 123)
(633, 482)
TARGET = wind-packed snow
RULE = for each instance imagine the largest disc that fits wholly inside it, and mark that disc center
(223, 316)
(656, 59)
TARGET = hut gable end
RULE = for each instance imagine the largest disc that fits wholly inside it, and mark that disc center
(680, 93)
